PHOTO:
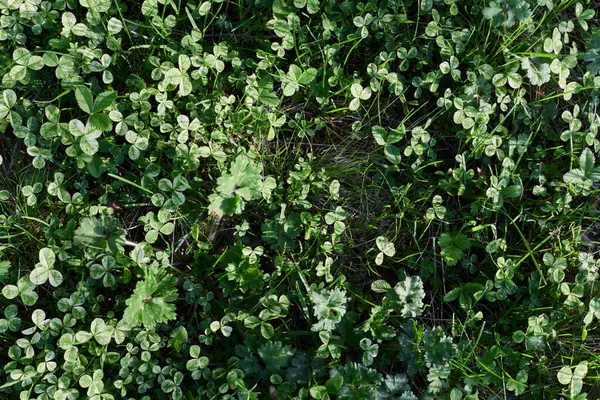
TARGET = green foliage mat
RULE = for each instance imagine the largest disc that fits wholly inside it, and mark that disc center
(299, 199)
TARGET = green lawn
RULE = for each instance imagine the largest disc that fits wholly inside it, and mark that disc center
(300, 199)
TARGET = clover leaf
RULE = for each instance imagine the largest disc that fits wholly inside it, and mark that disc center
(24, 288)
(44, 270)
(296, 78)
(573, 378)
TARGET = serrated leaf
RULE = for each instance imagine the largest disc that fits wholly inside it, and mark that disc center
(85, 99)
(151, 301)
(587, 161)
(104, 100)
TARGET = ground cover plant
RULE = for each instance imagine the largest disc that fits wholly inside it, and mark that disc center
(299, 199)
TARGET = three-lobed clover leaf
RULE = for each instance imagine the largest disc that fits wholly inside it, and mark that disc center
(295, 78)
(178, 77)
(437, 210)
(24, 288)
(359, 93)
(386, 138)
(11, 321)
(86, 135)
(197, 363)
(25, 62)
(94, 384)
(583, 15)
(386, 248)
(556, 267)
(174, 191)
(573, 378)
(104, 270)
(44, 270)
(594, 311)
(100, 6)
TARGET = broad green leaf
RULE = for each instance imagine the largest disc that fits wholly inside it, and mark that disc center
(587, 161)
(85, 99)
(151, 302)
(392, 153)
(104, 100)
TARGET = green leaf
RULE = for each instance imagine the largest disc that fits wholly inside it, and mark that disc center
(380, 286)
(10, 291)
(392, 153)
(307, 76)
(85, 99)
(587, 161)
(35, 63)
(100, 122)
(565, 375)
(453, 294)
(178, 337)
(512, 191)
(319, 392)
(4, 268)
(329, 308)
(114, 26)
(104, 100)
(267, 330)
(151, 301)
(453, 246)
(89, 145)
(242, 183)
(9, 98)
(385, 246)
(21, 55)
(204, 8)
(410, 295)
(150, 8)
(538, 74)
(266, 95)
(334, 384)
(195, 351)
(101, 332)
(275, 355)
(103, 233)
(97, 5)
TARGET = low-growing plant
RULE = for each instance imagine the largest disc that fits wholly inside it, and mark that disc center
(299, 199)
